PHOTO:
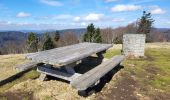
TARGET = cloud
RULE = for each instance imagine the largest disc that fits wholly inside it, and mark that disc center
(158, 10)
(142, 1)
(118, 20)
(93, 17)
(5, 22)
(7, 25)
(23, 14)
(55, 17)
(62, 16)
(77, 19)
(83, 24)
(51, 2)
(122, 8)
(108, 1)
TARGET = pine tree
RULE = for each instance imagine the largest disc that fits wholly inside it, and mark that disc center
(97, 36)
(92, 35)
(48, 43)
(57, 36)
(32, 43)
(145, 23)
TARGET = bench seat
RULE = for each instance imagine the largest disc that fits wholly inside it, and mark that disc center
(91, 77)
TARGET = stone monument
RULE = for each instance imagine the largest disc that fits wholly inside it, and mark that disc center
(134, 45)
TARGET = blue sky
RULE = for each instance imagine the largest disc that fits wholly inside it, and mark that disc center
(64, 14)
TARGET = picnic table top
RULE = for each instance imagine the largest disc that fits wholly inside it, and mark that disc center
(68, 54)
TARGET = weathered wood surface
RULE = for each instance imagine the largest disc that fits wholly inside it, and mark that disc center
(57, 73)
(89, 78)
(68, 54)
(26, 66)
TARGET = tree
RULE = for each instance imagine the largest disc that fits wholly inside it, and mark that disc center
(97, 36)
(69, 38)
(107, 35)
(32, 43)
(57, 36)
(48, 43)
(145, 24)
(92, 35)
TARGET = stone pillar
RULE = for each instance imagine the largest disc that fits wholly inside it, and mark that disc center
(134, 45)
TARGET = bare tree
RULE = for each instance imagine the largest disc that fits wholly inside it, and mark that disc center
(107, 35)
(68, 38)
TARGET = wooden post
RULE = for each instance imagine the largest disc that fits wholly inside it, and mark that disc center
(43, 77)
(70, 68)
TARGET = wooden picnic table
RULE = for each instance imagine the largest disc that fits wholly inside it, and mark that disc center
(68, 54)
(66, 57)
(60, 63)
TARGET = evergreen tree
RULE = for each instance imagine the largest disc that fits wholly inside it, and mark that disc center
(97, 36)
(48, 43)
(57, 36)
(92, 35)
(32, 43)
(145, 23)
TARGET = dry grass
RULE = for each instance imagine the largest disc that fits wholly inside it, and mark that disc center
(151, 73)
(8, 63)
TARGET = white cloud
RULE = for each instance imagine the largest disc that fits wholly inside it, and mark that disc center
(23, 14)
(77, 19)
(110, 1)
(118, 20)
(122, 8)
(5, 22)
(51, 2)
(158, 11)
(62, 16)
(93, 17)
(55, 17)
(83, 24)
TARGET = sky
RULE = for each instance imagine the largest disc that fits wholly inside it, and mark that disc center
(68, 14)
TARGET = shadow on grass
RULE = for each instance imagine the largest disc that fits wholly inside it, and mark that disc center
(88, 64)
(105, 79)
(17, 95)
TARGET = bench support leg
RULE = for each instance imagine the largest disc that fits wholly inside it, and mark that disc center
(82, 93)
(70, 68)
(42, 77)
(100, 54)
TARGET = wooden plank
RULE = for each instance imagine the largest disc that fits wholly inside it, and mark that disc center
(51, 56)
(55, 73)
(92, 76)
(26, 66)
(42, 77)
(69, 54)
(59, 50)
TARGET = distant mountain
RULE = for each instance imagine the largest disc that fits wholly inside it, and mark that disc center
(15, 36)
(77, 31)
(20, 36)
(163, 30)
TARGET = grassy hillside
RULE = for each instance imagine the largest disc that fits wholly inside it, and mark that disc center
(141, 79)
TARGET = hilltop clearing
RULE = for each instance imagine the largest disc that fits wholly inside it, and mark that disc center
(140, 79)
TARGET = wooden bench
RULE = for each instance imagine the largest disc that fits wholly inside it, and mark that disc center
(88, 79)
(27, 66)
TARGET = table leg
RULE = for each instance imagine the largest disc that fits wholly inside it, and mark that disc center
(70, 68)
(42, 77)
(100, 54)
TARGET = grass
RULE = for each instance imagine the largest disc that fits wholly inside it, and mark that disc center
(30, 75)
(151, 73)
(7, 64)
